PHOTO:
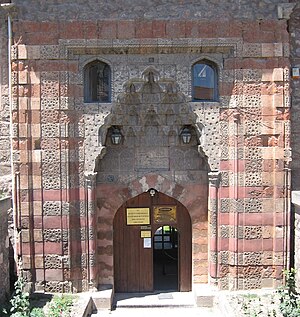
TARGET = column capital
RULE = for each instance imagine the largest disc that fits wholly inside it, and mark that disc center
(214, 178)
(90, 178)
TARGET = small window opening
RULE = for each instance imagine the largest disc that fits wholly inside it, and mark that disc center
(97, 78)
(205, 82)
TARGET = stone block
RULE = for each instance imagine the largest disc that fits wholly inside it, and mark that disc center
(107, 30)
(54, 275)
(24, 208)
(25, 235)
(267, 75)
(37, 207)
(35, 130)
(33, 51)
(267, 283)
(191, 29)
(23, 77)
(103, 299)
(38, 235)
(144, 29)
(204, 295)
(278, 74)
(40, 274)
(53, 248)
(125, 29)
(37, 156)
(35, 103)
(26, 259)
(22, 51)
(158, 28)
(175, 29)
(278, 49)
(23, 130)
(71, 30)
(34, 77)
(268, 50)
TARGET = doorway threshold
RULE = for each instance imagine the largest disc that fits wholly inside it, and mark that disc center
(156, 299)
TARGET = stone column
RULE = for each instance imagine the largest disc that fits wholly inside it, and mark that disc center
(90, 185)
(213, 203)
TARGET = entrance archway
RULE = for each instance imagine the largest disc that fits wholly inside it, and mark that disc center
(165, 258)
(136, 224)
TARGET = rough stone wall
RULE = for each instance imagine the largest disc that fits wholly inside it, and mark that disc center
(5, 205)
(294, 25)
(132, 9)
(5, 166)
(56, 135)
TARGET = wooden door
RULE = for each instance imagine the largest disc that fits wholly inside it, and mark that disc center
(133, 262)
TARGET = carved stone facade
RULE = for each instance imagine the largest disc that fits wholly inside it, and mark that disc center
(294, 25)
(232, 177)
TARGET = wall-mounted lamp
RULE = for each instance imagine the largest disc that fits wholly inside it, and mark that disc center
(116, 136)
(295, 73)
(186, 135)
(152, 192)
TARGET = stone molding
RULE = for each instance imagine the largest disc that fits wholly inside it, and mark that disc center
(214, 178)
(284, 10)
(135, 46)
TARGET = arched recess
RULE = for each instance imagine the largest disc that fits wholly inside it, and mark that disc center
(151, 116)
(192, 196)
(97, 82)
(205, 81)
(134, 226)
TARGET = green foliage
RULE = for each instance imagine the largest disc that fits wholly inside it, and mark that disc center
(37, 312)
(19, 303)
(289, 297)
(60, 306)
(254, 306)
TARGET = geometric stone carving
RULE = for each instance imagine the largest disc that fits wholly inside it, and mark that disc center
(58, 287)
(152, 113)
(53, 261)
(252, 258)
(49, 52)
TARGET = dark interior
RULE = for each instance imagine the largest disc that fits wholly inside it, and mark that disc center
(165, 259)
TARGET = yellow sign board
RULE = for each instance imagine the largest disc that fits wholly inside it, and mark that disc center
(146, 234)
(138, 216)
(163, 214)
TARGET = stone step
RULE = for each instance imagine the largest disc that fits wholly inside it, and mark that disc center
(205, 295)
(201, 296)
(165, 299)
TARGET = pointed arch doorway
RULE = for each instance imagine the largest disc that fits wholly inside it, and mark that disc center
(137, 226)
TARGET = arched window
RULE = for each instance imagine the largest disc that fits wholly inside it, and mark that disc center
(205, 81)
(97, 82)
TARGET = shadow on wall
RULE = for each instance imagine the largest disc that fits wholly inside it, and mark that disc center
(7, 276)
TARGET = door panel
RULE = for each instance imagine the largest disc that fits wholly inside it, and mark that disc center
(133, 264)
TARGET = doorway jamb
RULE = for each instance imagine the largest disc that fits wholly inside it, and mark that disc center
(90, 182)
(214, 178)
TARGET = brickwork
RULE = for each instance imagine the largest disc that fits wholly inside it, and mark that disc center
(72, 181)
(5, 205)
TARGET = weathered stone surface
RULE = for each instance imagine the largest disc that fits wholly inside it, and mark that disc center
(295, 136)
(170, 9)
(60, 141)
(5, 205)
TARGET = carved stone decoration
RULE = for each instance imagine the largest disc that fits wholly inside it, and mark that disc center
(150, 114)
